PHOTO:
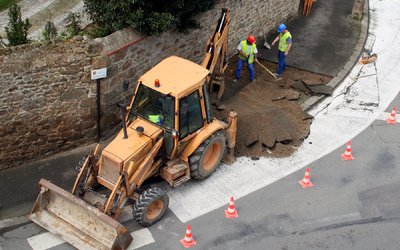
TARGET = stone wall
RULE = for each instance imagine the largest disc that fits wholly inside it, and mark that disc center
(48, 102)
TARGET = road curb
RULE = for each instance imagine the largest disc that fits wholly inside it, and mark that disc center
(344, 72)
(12, 222)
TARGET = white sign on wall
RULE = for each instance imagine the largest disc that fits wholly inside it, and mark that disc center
(99, 73)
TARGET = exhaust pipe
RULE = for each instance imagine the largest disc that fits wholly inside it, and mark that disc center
(123, 116)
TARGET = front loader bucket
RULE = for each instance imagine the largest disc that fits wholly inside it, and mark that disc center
(76, 221)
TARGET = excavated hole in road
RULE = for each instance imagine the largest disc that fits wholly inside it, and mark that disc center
(271, 121)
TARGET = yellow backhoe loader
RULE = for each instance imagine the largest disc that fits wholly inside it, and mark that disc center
(168, 131)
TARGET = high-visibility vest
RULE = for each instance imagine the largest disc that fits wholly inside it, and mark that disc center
(283, 45)
(154, 118)
(245, 49)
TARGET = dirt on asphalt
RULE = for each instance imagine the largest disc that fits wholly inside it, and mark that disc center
(271, 121)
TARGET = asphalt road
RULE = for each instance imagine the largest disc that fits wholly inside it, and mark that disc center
(352, 205)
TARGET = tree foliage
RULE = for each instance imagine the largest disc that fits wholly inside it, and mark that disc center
(151, 17)
(74, 22)
(50, 31)
(17, 30)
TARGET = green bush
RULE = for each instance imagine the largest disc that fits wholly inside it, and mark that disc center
(100, 32)
(151, 17)
(17, 30)
(73, 24)
(50, 31)
(63, 36)
(4, 4)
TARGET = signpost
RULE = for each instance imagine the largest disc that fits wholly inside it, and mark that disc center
(98, 74)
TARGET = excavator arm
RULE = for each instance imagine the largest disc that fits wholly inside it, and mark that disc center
(214, 57)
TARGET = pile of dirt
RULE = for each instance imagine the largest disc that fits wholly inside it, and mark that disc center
(271, 121)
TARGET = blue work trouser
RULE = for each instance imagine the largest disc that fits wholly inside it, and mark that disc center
(239, 67)
(281, 64)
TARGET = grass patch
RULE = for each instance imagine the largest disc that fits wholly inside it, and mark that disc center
(4, 4)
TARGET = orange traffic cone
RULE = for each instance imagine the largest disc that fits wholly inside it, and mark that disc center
(347, 156)
(231, 212)
(306, 182)
(392, 117)
(188, 241)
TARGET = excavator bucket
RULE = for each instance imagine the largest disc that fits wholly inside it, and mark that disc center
(77, 222)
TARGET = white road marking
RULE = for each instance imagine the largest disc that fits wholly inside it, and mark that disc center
(44, 241)
(141, 238)
(48, 240)
(354, 105)
(13, 221)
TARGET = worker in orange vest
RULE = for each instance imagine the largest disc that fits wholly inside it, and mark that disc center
(247, 54)
(285, 43)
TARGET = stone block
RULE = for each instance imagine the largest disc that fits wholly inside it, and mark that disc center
(300, 86)
(292, 94)
(99, 62)
(88, 102)
(94, 48)
(39, 63)
(127, 64)
(73, 94)
(358, 8)
(251, 139)
(83, 125)
(85, 78)
(119, 55)
(321, 89)
(283, 137)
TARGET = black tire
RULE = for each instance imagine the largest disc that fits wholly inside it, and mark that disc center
(82, 184)
(78, 166)
(203, 162)
(151, 206)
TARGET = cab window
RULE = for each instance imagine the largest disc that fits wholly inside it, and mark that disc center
(154, 106)
(207, 104)
(190, 116)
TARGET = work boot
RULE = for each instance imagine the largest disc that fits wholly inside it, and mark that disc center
(278, 78)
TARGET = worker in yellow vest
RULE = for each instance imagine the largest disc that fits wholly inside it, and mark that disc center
(285, 43)
(247, 54)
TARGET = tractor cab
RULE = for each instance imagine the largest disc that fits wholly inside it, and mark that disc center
(173, 96)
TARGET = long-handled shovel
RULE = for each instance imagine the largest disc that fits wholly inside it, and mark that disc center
(266, 45)
(266, 69)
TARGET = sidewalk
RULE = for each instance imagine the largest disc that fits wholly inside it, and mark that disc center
(323, 41)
